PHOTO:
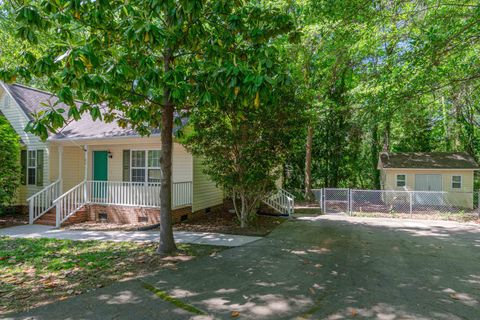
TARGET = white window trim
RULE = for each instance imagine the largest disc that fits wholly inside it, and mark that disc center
(31, 167)
(145, 168)
(396, 180)
(461, 182)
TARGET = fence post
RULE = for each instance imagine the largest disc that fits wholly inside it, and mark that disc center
(350, 201)
(411, 203)
(478, 204)
(320, 200)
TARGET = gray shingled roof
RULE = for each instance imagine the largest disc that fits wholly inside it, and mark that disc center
(31, 99)
(427, 160)
(86, 128)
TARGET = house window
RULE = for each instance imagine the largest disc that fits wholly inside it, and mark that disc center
(401, 180)
(31, 167)
(456, 182)
(145, 166)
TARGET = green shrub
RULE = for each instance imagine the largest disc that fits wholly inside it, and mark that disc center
(10, 163)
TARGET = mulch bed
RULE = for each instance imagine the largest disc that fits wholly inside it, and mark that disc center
(105, 226)
(13, 219)
(226, 222)
(218, 222)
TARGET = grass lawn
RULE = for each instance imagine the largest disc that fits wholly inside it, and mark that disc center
(39, 271)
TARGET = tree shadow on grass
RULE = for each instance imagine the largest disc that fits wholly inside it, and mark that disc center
(39, 271)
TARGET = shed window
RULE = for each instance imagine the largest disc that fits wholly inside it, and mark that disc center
(32, 167)
(145, 165)
(401, 180)
(456, 182)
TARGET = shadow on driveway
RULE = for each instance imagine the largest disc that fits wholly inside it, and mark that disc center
(310, 269)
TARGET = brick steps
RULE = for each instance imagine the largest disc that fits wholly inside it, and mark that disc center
(50, 218)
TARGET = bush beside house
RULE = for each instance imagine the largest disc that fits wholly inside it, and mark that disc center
(10, 164)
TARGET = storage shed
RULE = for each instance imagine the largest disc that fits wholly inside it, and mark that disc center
(450, 172)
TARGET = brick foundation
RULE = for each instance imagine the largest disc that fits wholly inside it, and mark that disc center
(129, 215)
(134, 215)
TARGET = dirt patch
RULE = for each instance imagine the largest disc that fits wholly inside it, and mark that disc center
(226, 222)
(13, 219)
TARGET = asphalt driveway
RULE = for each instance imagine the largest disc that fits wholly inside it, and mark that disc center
(328, 268)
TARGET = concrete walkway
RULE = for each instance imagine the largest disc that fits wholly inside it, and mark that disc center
(40, 231)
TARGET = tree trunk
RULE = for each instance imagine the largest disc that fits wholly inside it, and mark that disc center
(167, 243)
(308, 165)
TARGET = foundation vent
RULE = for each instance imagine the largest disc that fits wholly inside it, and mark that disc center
(102, 216)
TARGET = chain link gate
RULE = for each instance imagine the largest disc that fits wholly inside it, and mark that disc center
(336, 201)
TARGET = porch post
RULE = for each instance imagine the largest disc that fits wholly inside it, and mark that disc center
(85, 191)
(60, 169)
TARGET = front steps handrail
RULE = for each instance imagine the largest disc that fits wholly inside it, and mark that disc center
(42, 201)
(282, 201)
(70, 202)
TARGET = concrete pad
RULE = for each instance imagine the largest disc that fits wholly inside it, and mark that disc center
(39, 231)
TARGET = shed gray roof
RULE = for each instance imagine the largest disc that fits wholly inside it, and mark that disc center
(31, 100)
(427, 160)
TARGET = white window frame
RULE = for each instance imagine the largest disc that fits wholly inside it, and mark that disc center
(405, 180)
(34, 167)
(461, 182)
(145, 168)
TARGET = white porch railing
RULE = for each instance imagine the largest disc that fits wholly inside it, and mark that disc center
(42, 201)
(119, 193)
(124, 193)
(282, 201)
(181, 194)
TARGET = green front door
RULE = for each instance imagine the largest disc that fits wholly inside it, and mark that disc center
(100, 173)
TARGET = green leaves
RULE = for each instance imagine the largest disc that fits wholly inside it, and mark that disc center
(10, 159)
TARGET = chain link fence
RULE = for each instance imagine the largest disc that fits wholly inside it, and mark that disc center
(395, 202)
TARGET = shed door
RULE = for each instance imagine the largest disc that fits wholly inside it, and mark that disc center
(428, 182)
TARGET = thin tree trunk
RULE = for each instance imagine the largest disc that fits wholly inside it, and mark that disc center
(167, 243)
(308, 165)
(375, 155)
